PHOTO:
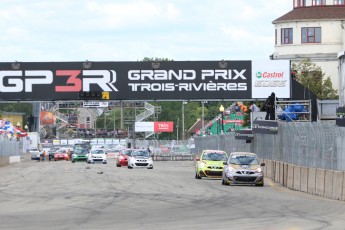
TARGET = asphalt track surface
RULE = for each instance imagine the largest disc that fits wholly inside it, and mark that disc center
(63, 195)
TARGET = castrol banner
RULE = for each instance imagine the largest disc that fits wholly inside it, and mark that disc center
(271, 76)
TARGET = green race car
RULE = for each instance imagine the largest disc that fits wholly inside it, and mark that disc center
(79, 154)
(210, 164)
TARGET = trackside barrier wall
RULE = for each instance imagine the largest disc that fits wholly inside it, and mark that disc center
(315, 181)
(9, 150)
(307, 157)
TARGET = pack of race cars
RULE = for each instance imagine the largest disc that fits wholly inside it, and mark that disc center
(235, 168)
(131, 158)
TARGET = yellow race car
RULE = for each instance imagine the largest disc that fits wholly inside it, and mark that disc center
(210, 164)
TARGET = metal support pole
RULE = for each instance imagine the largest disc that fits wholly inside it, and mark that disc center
(183, 120)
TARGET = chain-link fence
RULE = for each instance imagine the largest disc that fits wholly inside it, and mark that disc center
(310, 144)
(9, 146)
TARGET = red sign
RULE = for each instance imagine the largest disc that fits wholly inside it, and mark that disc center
(163, 126)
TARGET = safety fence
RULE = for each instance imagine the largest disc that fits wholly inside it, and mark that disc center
(309, 144)
(9, 146)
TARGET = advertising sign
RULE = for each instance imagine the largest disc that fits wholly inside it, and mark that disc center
(157, 126)
(145, 81)
(265, 126)
(244, 134)
(167, 80)
(144, 127)
(95, 104)
(164, 126)
(271, 76)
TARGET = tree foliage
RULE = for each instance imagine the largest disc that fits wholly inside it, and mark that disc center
(311, 76)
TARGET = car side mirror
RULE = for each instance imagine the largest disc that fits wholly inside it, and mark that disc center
(262, 164)
(197, 159)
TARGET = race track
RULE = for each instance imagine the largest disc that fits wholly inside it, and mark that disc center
(63, 195)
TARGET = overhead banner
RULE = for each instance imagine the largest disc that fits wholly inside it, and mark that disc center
(142, 81)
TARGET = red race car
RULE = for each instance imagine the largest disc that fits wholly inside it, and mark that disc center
(61, 154)
(122, 157)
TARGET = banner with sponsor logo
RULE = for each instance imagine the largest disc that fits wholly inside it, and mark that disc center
(271, 76)
(145, 81)
(244, 134)
(265, 126)
(157, 126)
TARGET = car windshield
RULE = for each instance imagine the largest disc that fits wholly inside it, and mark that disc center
(62, 151)
(97, 151)
(80, 151)
(244, 160)
(214, 156)
(141, 153)
(126, 152)
(33, 149)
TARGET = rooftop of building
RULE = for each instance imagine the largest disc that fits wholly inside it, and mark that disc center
(329, 12)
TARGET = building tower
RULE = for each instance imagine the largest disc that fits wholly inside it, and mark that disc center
(313, 29)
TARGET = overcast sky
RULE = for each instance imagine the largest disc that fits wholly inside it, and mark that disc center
(119, 30)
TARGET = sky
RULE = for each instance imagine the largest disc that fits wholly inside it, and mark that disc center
(119, 30)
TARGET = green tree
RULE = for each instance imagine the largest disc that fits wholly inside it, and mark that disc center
(311, 76)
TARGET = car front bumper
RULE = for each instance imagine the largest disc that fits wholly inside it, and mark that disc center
(245, 177)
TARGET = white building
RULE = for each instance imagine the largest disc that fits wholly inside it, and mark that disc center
(314, 29)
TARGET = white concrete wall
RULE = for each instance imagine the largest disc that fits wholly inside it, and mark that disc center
(315, 181)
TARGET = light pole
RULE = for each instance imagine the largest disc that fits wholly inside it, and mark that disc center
(183, 131)
(178, 121)
(221, 109)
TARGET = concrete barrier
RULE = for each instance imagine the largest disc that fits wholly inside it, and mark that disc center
(289, 182)
(277, 171)
(320, 182)
(338, 183)
(297, 178)
(328, 183)
(281, 175)
(285, 172)
(315, 181)
(14, 159)
(4, 161)
(312, 181)
(304, 179)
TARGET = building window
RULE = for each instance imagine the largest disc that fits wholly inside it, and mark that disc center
(319, 2)
(311, 34)
(338, 2)
(286, 36)
(300, 3)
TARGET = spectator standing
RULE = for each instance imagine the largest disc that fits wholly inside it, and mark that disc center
(253, 107)
(270, 107)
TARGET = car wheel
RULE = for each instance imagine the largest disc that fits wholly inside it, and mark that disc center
(226, 182)
(150, 167)
(223, 182)
(118, 165)
(104, 162)
(197, 176)
(73, 161)
(130, 167)
(260, 185)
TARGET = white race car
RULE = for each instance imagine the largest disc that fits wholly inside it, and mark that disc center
(140, 158)
(97, 155)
